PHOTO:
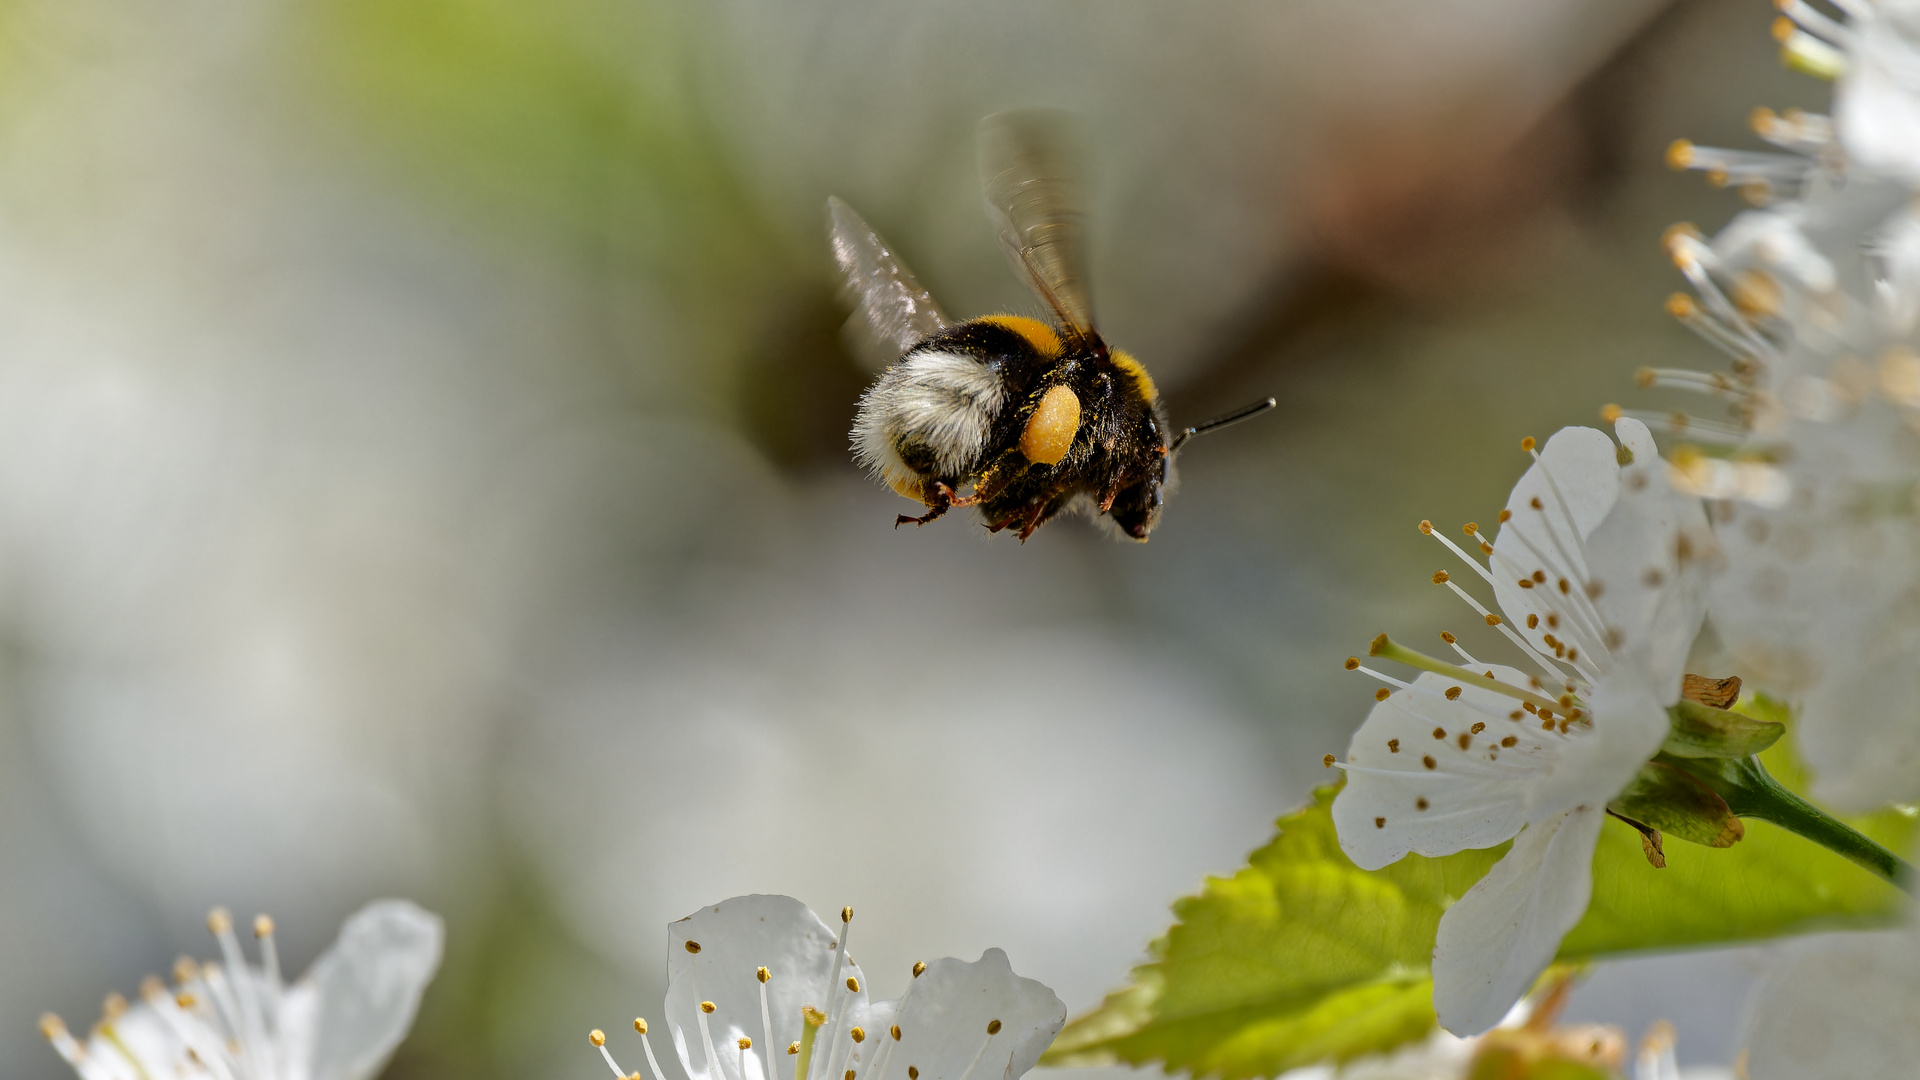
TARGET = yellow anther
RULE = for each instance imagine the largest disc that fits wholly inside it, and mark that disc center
(918, 967)
(1783, 29)
(859, 1034)
(185, 1000)
(693, 946)
(1382, 694)
(597, 1037)
(112, 1008)
(52, 1026)
(1448, 638)
(1680, 155)
(1670, 239)
(640, 1024)
(706, 1006)
(846, 914)
(849, 1074)
(762, 974)
(793, 1047)
(1440, 577)
(151, 987)
(1326, 760)
(744, 1043)
(262, 926)
(993, 1027)
(1453, 693)
(1493, 620)
(1472, 527)
(913, 1073)
(1527, 444)
(1505, 515)
(185, 969)
(1611, 413)
(1426, 526)
(1352, 662)
(853, 984)
(1757, 293)
(1762, 120)
(1477, 728)
(895, 1032)
(219, 920)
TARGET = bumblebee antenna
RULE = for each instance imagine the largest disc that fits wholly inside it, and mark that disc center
(1245, 412)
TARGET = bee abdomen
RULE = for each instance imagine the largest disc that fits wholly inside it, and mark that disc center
(930, 414)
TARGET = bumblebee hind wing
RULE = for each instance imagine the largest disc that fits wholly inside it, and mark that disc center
(891, 311)
(1028, 174)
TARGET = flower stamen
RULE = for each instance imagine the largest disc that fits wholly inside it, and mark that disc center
(1385, 647)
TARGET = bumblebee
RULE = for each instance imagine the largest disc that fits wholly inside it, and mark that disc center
(1019, 418)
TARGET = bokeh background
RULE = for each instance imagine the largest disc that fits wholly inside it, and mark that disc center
(423, 464)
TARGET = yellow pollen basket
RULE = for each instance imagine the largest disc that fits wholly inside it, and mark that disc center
(1050, 431)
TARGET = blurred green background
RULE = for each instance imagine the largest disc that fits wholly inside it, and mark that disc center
(423, 463)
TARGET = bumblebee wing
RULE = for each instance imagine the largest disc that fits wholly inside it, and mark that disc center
(891, 312)
(1027, 171)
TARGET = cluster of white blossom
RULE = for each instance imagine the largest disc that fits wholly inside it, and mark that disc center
(1793, 526)
(238, 1020)
(758, 988)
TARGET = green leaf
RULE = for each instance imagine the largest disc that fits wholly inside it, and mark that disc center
(1302, 957)
(1298, 958)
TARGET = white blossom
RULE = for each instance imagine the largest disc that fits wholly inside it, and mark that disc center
(236, 1020)
(1598, 572)
(1816, 479)
(1838, 1007)
(758, 985)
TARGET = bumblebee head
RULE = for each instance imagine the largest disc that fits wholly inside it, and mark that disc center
(1136, 510)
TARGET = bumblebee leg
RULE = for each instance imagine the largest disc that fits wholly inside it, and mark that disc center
(943, 500)
(1041, 512)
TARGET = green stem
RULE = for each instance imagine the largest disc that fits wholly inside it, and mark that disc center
(1750, 791)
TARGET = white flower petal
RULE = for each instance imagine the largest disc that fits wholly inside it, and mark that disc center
(737, 937)
(944, 1022)
(139, 1034)
(1497, 939)
(1864, 748)
(367, 987)
(1558, 502)
(1637, 439)
(1627, 726)
(1838, 1007)
(1820, 603)
(1877, 102)
(1649, 561)
(1473, 797)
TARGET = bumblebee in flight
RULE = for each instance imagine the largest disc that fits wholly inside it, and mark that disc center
(1016, 417)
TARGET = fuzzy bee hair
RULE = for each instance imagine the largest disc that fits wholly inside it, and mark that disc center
(939, 407)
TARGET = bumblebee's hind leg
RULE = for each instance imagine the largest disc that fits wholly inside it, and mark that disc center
(943, 499)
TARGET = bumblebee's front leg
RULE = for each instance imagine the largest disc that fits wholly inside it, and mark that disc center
(942, 499)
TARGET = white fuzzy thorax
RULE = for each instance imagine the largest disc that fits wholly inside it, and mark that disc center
(944, 400)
